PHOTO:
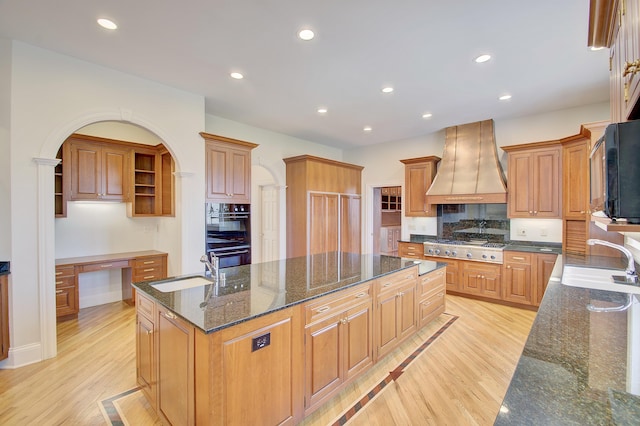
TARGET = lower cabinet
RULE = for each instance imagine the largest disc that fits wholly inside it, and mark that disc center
(67, 300)
(517, 277)
(452, 276)
(4, 317)
(543, 264)
(146, 348)
(482, 279)
(414, 250)
(431, 291)
(338, 342)
(395, 310)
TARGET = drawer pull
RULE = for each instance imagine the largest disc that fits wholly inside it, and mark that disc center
(59, 273)
(59, 282)
(148, 270)
(170, 315)
(387, 285)
(107, 266)
(360, 295)
(518, 258)
(148, 262)
(411, 248)
(427, 303)
(323, 309)
(148, 277)
(59, 291)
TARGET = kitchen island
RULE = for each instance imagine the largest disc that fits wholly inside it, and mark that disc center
(578, 366)
(274, 341)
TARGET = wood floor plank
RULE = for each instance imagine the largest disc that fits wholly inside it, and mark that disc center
(460, 379)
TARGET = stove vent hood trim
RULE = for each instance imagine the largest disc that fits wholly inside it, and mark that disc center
(470, 172)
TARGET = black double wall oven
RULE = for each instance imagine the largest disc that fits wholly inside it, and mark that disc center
(228, 233)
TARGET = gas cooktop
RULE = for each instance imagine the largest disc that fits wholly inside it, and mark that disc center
(477, 250)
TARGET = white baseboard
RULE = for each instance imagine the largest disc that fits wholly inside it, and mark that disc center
(21, 356)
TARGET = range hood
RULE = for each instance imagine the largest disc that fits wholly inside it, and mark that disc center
(469, 171)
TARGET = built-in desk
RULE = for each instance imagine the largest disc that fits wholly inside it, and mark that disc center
(136, 266)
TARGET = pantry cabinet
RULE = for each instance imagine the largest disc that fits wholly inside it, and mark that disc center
(228, 169)
(418, 176)
(534, 172)
(323, 206)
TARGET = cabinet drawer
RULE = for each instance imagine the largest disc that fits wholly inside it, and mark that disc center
(148, 273)
(92, 267)
(145, 306)
(430, 308)
(329, 305)
(411, 250)
(66, 281)
(62, 271)
(432, 283)
(398, 279)
(517, 257)
(66, 301)
(147, 262)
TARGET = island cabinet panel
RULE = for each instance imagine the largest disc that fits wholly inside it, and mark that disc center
(175, 340)
(338, 342)
(452, 275)
(395, 310)
(251, 373)
(431, 291)
(145, 348)
(543, 264)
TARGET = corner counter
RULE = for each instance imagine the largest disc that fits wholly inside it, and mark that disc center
(577, 366)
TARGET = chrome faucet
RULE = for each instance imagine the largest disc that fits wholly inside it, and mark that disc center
(632, 276)
(213, 266)
(482, 225)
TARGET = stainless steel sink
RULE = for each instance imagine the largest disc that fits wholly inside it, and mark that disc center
(598, 279)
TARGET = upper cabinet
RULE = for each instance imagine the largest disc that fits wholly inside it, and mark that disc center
(534, 178)
(228, 169)
(98, 169)
(101, 169)
(418, 175)
(616, 24)
(391, 199)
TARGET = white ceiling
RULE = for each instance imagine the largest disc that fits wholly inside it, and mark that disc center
(423, 48)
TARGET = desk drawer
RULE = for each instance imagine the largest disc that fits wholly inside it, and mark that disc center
(64, 271)
(148, 273)
(66, 281)
(148, 262)
(92, 267)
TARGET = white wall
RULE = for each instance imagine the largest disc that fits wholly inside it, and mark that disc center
(51, 97)
(5, 159)
(382, 163)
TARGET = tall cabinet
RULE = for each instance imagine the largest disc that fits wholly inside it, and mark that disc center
(323, 206)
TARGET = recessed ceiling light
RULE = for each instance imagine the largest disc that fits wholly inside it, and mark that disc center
(367, 129)
(504, 97)
(482, 58)
(237, 75)
(107, 23)
(322, 110)
(387, 89)
(306, 35)
(427, 115)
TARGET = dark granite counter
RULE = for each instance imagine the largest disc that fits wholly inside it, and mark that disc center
(578, 367)
(250, 291)
(4, 268)
(534, 247)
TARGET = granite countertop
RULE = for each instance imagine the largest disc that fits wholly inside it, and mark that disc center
(4, 268)
(578, 366)
(534, 247)
(258, 289)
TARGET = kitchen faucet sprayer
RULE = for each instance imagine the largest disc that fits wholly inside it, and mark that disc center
(631, 268)
(214, 267)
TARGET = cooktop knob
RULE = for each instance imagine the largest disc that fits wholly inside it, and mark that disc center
(493, 257)
(437, 251)
(469, 255)
(484, 256)
(447, 252)
(454, 253)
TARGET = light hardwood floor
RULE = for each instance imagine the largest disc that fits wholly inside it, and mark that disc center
(460, 379)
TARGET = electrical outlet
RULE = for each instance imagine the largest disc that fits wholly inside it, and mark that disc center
(522, 232)
(543, 232)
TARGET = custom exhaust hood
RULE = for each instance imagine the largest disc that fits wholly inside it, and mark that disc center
(469, 171)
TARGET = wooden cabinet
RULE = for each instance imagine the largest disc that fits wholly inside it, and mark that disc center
(323, 206)
(175, 368)
(391, 199)
(61, 181)
(431, 292)
(145, 268)
(153, 183)
(338, 342)
(146, 349)
(452, 274)
(389, 240)
(67, 299)
(98, 170)
(534, 172)
(517, 283)
(543, 266)
(228, 169)
(4, 317)
(418, 175)
(395, 310)
(413, 250)
(482, 279)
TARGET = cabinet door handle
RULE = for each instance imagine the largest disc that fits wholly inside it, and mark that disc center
(149, 332)
(344, 321)
(170, 315)
(323, 309)
(508, 266)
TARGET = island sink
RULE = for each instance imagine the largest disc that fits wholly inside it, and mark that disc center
(181, 283)
(598, 279)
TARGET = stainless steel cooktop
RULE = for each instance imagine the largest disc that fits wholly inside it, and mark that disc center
(476, 250)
